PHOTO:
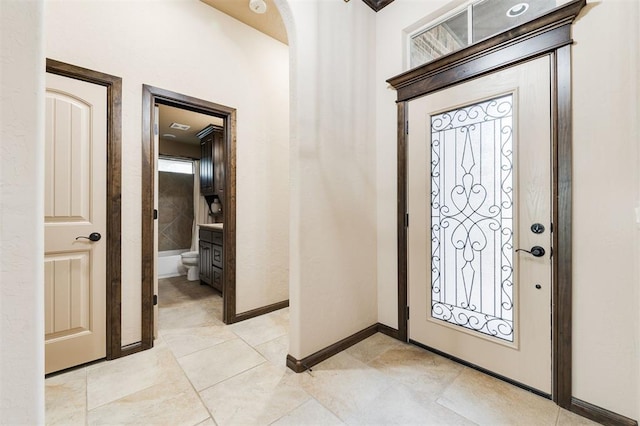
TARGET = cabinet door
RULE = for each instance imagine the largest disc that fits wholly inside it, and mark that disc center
(218, 163)
(217, 256)
(206, 258)
(216, 278)
(206, 165)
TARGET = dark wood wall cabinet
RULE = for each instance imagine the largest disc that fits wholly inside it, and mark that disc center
(212, 161)
(211, 257)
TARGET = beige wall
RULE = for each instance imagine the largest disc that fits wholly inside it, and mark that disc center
(211, 56)
(390, 23)
(606, 182)
(606, 189)
(333, 180)
(21, 213)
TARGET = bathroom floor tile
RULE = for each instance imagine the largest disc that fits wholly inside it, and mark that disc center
(178, 290)
(189, 315)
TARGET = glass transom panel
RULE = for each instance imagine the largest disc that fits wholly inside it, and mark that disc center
(472, 217)
(478, 20)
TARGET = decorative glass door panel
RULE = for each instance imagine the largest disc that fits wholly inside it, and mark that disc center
(479, 188)
(472, 217)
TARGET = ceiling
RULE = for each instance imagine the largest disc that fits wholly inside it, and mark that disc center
(196, 121)
(269, 23)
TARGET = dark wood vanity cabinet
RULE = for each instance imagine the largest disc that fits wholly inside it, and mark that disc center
(212, 161)
(218, 164)
(211, 257)
(206, 165)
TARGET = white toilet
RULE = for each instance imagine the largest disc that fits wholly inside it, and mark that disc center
(190, 261)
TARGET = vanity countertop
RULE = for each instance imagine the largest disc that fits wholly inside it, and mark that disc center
(211, 225)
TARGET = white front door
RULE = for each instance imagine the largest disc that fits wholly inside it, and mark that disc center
(75, 206)
(479, 185)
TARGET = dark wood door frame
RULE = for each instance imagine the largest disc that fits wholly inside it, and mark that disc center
(548, 35)
(113, 85)
(150, 97)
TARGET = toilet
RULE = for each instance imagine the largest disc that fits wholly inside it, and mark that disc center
(190, 261)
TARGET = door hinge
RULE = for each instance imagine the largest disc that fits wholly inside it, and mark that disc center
(155, 299)
(406, 127)
(407, 313)
(155, 214)
(551, 227)
(406, 220)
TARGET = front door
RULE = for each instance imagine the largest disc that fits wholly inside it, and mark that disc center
(75, 222)
(479, 189)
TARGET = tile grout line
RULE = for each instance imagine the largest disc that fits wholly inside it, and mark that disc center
(192, 387)
(437, 400)
(187, 377)
(199, 350)
(235, 375)
(293, 409)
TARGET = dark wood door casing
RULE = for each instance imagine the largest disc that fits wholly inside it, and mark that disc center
(377, 5)
(151, 96)
(548, 35)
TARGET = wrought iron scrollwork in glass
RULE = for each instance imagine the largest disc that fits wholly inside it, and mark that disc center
(472, 217)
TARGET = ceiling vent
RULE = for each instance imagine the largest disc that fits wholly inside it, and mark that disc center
(179, 126)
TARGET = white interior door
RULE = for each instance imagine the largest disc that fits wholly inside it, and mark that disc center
(75, 206)
(479, 182)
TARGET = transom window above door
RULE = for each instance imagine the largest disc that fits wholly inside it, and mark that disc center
(470, 23)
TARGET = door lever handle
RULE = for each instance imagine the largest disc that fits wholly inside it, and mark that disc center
(94, 236)
(536, 251)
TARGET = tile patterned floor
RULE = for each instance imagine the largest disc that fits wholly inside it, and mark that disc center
(202, 372)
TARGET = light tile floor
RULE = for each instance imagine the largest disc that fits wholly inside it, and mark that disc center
(202, 372)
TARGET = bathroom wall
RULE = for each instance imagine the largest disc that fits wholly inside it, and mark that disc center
(173, 148)
(175, 211)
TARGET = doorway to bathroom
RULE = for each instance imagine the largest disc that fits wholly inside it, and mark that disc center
(184, 299)
(177, 204)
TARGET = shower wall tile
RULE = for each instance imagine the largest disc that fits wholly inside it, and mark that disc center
(175, 211)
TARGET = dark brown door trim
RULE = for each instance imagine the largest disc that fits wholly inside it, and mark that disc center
(150, 97)
(377, 5)
(114, 190)
(549, 35)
